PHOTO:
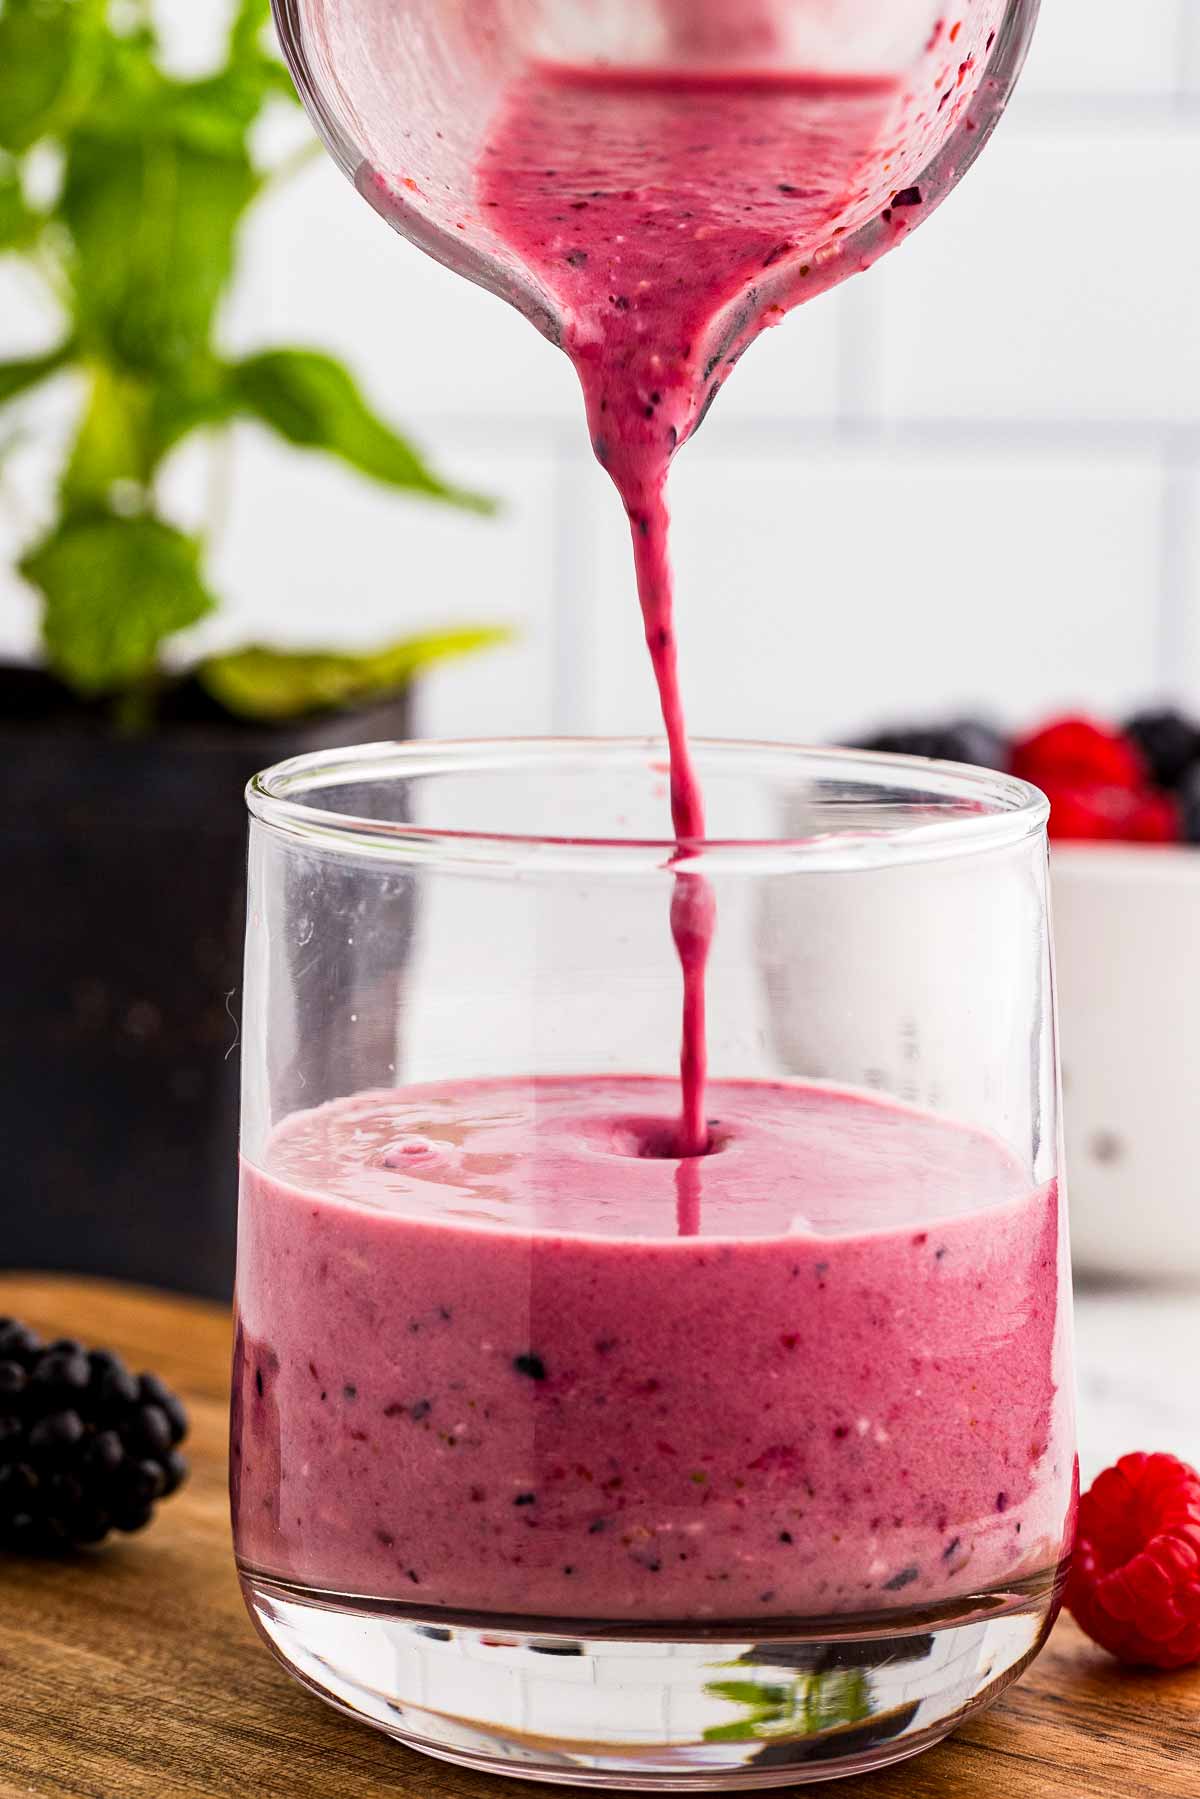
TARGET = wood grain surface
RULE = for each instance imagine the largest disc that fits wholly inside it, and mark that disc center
(133, 1673)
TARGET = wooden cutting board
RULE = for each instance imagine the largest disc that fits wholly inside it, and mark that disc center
(133, 1672)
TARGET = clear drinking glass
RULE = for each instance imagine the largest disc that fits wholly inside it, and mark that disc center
(555, 1454)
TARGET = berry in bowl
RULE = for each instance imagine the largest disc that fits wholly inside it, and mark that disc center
(1125, 828)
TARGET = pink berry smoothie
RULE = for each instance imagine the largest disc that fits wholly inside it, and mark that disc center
(478, 1367)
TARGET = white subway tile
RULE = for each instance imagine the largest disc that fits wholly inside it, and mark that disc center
(1099, 48)
(1182, 681)
(629, 1715)
(793, 371)
(826, 592)
(1061, 281)
(321, 267)
(311, 554)
(35, 437)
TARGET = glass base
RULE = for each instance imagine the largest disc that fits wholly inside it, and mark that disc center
(658, 1706)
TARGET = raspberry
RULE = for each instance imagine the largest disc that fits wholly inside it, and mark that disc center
(1135, 1579)
(1155, 818)
(1082, 814)
(1088, 812)
(1083, 754)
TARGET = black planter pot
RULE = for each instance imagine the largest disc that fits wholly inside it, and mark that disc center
(122, 865)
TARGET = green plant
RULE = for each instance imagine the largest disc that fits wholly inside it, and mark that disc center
(806, 1705)
(151, 177)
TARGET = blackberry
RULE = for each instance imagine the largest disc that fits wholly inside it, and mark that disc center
(977, 742)
(86, 1447)
(1189, 820)
(1169, 742)
(915, 740)
(969, 740)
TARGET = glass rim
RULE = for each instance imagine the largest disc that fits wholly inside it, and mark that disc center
(1006, 810)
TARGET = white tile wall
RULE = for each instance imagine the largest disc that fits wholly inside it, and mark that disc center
(971, 478)
(847, 582)
(309, 554)
(1095, 48)
(1059, 282)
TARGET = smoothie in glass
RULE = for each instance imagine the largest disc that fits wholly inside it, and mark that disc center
(479, 1368)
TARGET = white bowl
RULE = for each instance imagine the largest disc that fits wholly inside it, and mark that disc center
(1127, 938)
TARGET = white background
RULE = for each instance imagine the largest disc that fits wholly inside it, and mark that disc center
(970, 478)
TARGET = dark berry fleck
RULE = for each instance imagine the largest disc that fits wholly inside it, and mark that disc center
(785, 1536)
(905, 1578)
(532, 1366)
(525, 1499)
(349, 1391)
(1002, 1502)
(951, 1548)
(908, 196)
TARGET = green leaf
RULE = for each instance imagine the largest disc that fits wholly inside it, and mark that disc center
(18, 224)
(50, 60)
(313, 401)
(19, 376)
(838, 1698)
(111, 445)
(278, 684)
(252, 50)
(191, 398)
(154, 221)
(750, 1692)
(249, 22)
(216, 114)
(113, 589)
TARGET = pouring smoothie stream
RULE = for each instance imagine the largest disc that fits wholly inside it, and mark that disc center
(666, 215)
